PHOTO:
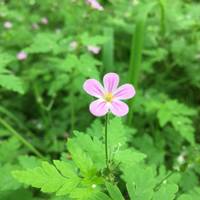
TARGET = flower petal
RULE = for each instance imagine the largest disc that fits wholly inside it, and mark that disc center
(111, 81)
(99, 107)
(119, 108)
(93, 87)
(125, 91)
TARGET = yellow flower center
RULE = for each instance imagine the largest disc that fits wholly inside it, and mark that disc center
(108, 97)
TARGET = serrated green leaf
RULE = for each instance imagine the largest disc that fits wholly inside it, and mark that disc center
(29, 162)
(93, 147)
(179, 116)
(5, 59)
(48, 178)
(43, 43)
(125, 156)
(166, 192)
(140, 184)
(116, 134)
(11, 82)
(81, 159)
(87, 66)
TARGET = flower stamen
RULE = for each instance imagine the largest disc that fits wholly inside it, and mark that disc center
(108, 97)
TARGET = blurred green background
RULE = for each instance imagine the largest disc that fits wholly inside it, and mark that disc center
(47, 50)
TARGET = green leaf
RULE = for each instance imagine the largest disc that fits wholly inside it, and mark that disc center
(166, 192)
(192, 195)
(101, 196)
(87, 39)
(48, 178)
(188, 181)
(5, 59)
(9, 150)
(117, 135)
(81, 159)
(179, 116)
(96, 129)
(7, 182)
(87, 66)
(124, 157)
(93, 147)
(22, 194)
(29, 162)
(84, 193)
(140, 184)
(114, 191)
(43, 43)
(11, 82)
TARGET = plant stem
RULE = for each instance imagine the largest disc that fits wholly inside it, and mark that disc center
(108, 51)
(162, 16)
(106, 138)
(136, 52)
(24, 141)
(165, 178)
(72, 105)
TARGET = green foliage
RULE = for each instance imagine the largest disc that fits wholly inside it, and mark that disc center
(79, 179)
(43, 43)
(7, 181)
(169, 189)
(114, 191)
(48, 178)
(192, 195)
(179, 116)
(8, 150)
(142, 184)
(153, 153)
(7, 79)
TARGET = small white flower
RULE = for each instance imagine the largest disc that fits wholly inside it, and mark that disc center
(73, 45)
(7, 25)
(44, 21)
(93, 49)
(181, 159)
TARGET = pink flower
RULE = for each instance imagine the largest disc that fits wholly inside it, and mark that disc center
(44, 21)
(95, 4)
(21, 55)
(109, 96)
(93, 49)
(7, 25)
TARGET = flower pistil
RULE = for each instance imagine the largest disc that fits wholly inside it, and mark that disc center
(108, 97)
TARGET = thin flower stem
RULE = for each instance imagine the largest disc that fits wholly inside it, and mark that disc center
(165, 178)
(72, 104)
(72, 111)
(106, 138)
(23, 140)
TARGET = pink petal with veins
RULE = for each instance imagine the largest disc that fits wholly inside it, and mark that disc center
(99, 107)
(119, 108)
(94, 88)
(125, 91)
(111, 81)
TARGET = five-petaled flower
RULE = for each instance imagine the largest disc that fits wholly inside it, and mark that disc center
(109, 96)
